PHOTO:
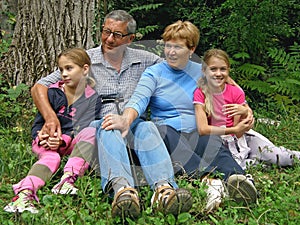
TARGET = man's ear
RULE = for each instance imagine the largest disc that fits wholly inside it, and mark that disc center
(132, 37)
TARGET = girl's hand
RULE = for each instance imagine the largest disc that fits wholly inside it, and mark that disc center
(54, 142)
(44, 144)
(50, 143)
(235, 109)
(43, 138)
(243, 126)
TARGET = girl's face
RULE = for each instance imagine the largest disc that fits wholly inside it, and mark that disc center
(216, 72)
(71, 73)
(177, 53)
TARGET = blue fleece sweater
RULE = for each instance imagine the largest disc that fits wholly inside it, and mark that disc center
(169, 94)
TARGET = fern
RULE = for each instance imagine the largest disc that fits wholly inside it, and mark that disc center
(259, 86)
(141, 32)
(289, 61)
(146, 7)
(286, 67)
(251, 68)
(148, 29)
(280, 83)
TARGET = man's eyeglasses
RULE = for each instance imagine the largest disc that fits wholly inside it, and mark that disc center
(116, 35)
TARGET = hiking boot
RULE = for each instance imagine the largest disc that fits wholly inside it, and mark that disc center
(66, 185)
(241, 188)
(126, 203)
(215, 193)
(169, 200)
(22, 202)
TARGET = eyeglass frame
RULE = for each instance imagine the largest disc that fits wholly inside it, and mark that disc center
(116, 35)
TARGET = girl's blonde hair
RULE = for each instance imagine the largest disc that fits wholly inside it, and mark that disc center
(80, 58)
(182, 30)
(202, 82)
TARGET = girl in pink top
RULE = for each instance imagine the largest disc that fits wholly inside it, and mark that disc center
(219, 106)
(221, 109)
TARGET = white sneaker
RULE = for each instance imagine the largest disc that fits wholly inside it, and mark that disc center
(66, 185)
(24, 201)
(215, 193)
(241, 188)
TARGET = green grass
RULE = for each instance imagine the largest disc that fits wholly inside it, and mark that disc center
(279, 189)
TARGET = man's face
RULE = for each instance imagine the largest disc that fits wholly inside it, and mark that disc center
(113, 39)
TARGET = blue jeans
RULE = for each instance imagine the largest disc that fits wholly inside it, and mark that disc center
(148, 146)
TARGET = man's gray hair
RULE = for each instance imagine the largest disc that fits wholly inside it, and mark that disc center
(122, 15)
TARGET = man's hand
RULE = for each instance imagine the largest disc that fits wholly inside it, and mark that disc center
(116, 122)
(51, 127)
(39, 95)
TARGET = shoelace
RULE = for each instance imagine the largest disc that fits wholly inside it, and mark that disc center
(250, 178)
(28, 197)
(15, 198)
(164, 194)
(70, 179)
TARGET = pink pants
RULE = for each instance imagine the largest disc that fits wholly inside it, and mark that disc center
(80, 150)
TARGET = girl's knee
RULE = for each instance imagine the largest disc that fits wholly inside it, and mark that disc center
(87, 134)
(51, 159)
(49, 154)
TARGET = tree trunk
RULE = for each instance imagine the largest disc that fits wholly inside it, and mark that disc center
(43, 29)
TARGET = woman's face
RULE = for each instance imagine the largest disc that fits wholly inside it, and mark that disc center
(177, 53)
(216, 72)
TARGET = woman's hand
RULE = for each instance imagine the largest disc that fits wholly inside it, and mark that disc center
(116, 122)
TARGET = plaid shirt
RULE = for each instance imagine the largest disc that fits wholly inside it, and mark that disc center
(109, 81)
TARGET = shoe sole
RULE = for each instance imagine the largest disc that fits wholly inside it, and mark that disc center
(178, 203)
(126, 208)
(64, 192)
(241, 190)
(19, 210)
(213, 203)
